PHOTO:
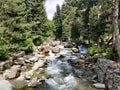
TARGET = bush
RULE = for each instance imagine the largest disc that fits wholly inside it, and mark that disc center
(28, 45)
(37, 40)
(101, 51)
(92, 50)
(3, 53)
(108, 53)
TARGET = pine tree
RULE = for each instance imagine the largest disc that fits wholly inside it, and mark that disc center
(58, 23)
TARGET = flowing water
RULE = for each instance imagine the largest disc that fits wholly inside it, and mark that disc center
(61, 75)
(60, 72)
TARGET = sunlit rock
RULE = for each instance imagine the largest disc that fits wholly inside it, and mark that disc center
(33, 82)
(75, 50)
(55, 50)
(99, 85)
(12, 73)
(39, 64)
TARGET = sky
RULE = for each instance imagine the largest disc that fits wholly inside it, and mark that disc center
(50, 6)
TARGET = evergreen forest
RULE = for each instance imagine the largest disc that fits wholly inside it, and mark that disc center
(24, 23)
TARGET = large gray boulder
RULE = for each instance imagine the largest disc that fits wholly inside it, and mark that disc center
(112, 79)
(109, 72)
(101, 68)
(6, 85)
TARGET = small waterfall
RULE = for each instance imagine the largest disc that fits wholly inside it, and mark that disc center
(82, 49)
(60, 71)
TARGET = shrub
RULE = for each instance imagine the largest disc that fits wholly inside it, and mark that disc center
(37, 40)
(92, 50)
(28, 45)
(108, 53)
(3, 53)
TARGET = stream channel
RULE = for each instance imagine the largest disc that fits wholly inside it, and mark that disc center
(60, 72)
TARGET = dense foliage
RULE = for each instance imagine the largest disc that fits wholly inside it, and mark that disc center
(89, 22)
(23, 23)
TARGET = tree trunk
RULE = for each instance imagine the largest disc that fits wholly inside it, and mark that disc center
(116, 43)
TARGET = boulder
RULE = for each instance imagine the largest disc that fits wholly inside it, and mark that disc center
(21, 58)
(29, 74)
(6, 64)
(1, 77)
(54, 43)
(99, 85)
(68, 44)
(12, 73)
(55, 50)
(82, 57)
(19, 84)
(33, 82)
(109, 72)
(18, 55)
(44, 51)
(16, 68)
(39, 64)
(33, 59)
(6, 85)
(101, 68)
(112, 79)
(75, 50)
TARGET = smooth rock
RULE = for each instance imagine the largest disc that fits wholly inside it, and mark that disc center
(11, 74)
(33, 59)
(75, 50)
(29, 74)
(1, 77)
(16, 68)
(39, 64)
(6, 85)
(99, 85)
(82, 57)
(40, 56)
(19, 84)
(21, 59)
(20, 78)
(55, 50)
